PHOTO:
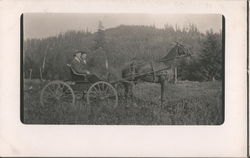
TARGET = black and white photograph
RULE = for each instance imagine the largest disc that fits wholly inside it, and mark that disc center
(122, 69)
(124, 78)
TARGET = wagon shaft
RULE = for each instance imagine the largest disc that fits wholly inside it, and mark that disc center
(126, 79)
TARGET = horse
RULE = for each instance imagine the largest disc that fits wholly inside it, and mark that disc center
(160, 71)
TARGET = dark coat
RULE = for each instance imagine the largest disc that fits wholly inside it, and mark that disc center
(79, 67)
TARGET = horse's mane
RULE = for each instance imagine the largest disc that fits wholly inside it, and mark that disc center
(171, 54)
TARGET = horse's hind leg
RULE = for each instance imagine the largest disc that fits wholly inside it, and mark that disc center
(126, 92)
(129, 96)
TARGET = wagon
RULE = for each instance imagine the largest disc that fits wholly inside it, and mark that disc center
(102, 92)
(66, 92)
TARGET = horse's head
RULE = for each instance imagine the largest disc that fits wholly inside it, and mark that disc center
(178, 51)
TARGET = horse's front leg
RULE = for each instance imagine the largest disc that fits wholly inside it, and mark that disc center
(163, 83)
(131, 93)
(126, 92)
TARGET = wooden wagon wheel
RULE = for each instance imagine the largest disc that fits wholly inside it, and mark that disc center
(57, 93)
(103, 94)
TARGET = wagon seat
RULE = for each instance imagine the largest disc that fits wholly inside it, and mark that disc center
(77, 77)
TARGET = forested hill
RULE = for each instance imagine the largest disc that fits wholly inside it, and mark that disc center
(49, 56)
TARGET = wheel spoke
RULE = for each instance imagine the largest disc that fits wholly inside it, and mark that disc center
(103, 85)
(51, 91)
(102, 94)
(53, 86)
(106, 89)
(109, 96)
(66, 94)
(96, 90)
(60, 89)
(57, 86)
(109, 93)
(99, 88)
(57, 92)
(48, 95)
(65, 89)
(49, 100)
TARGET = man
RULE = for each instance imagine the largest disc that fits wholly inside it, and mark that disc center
(83, 57)
(79, 65)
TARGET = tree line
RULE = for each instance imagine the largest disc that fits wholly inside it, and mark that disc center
(47, 58)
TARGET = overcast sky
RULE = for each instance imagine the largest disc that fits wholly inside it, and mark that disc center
(41, 25)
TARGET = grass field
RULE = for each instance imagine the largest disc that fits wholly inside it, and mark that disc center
(187, 103)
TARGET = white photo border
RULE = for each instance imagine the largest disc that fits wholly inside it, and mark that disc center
(226, 140)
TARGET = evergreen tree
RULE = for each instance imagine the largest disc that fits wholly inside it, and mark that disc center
(100, 36)
(211, 56)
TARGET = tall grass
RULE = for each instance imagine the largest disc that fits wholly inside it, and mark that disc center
(187, 103)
